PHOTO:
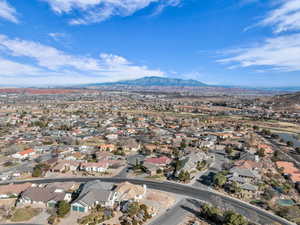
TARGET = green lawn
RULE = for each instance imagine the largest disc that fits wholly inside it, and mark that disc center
(24, 214)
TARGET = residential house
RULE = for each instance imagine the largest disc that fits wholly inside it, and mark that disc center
(248, 175)
(249, 156)
(289, 170)
(7, 191)
(130, 192)
(150, 147)
(92, 194)
(64, 166)
(24, 154)
(267, 149)
(247, 164)
(107, 147)
(158, 161)
(190, 161)
(100, 167)
(131, 145)
(43, 195)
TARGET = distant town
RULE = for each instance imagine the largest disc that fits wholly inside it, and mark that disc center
(89, 156)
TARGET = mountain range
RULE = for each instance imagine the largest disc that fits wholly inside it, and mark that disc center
(153, 81)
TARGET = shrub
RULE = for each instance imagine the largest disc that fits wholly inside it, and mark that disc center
(63, 208)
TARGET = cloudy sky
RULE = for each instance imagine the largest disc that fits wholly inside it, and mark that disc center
(228, 42)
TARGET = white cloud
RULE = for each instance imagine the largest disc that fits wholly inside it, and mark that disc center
(10, 68)
(94, 11)
(280, 53)
(8, 12)
(286, 17)
(51, 62)
(165, 4)
(46, 56)
(113, 60)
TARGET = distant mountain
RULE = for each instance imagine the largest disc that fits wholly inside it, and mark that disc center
(291, 100)
(153, 81)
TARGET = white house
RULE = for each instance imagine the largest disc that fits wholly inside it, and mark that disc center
(24, 154)
(94, 167)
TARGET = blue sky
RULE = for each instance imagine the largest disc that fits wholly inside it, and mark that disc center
(228, 42)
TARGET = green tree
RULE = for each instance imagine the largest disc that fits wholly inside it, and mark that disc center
(235, 187)
(219, 179)
(266, 132)
(232, 218)
(184, 176)
(183, 144)
(37, 171)
(229, 150)
(133, 209)
(63, 207)
(210, 212)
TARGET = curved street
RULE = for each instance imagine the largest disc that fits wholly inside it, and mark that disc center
(253, 213)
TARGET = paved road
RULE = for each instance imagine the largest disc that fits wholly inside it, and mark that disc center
(253, 213)
(277, 147)
(123, 173)
(177, 213)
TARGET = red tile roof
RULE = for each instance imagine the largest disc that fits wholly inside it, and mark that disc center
(26, 152)
(161, 160)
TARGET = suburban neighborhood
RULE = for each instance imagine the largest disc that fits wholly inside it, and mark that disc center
(126, 137)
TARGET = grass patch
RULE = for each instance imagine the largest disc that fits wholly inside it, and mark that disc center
(24, 214)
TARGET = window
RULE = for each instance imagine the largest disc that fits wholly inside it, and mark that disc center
(51, 204)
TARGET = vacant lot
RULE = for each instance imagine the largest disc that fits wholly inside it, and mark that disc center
(24, 214)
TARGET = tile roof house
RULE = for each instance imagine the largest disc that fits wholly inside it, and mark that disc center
(268, 149)
(150, 147)
(94, 193)
(24, 154)
(288, 167)
(161, 161)
(295, 177)
(107, 147)
(43, 195)
(247, 164)
(289, 170)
